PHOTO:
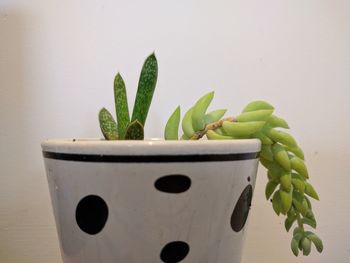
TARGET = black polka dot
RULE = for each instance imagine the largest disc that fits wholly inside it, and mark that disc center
(174, 252)
(175, 183)
(91, 214)
(241, 210)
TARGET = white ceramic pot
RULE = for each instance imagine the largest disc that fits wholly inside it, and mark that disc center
(151, 201)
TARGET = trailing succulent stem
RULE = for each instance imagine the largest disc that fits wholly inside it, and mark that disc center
(124, 128)
(287, 187)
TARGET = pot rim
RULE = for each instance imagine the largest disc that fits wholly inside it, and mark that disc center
(150, 146)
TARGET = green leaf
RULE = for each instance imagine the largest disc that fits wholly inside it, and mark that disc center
(316, 240)
(214, 116)
(306, 245)
(108, 125)
(297, 151)
(309, 222)
(310, 191)
(298, 185)
(288, 223)
(187, 126)
(145, 90)
(212, 135)
(281, 156)
(199, 110)
(266, 152)
(282, 137)
(121, 105)
(258, 105)
(275, 122)
(270, 188)
(299, 166)
(277, 203)
(258, 115)
(286, 181)
(286, 201)
(262, 137)
(294, 247)
(172, 127)
(134, 131)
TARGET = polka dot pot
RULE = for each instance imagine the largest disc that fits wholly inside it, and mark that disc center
(151, 201)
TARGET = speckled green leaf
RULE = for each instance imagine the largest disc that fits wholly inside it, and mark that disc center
(121, 105)
(108, 125)
(134, 131)
(147, 84)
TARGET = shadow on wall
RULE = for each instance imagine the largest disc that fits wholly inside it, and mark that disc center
(12, 107)
(12, 93)
(22, 206)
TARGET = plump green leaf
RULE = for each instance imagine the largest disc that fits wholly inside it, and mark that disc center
(277, 203)
(172, 127)
(242, 129)
(299, 166)
(297, 151)
(214, 116)
(258, 105)
(258, 115)
(275, 122)
(294, 247)
(309, 222)
(286, 201)
(187, 126)
(270, 188)
(310, 191)
(262, 137)
(199, 110)
(298, 185)
(286, 181)
(316, 240)
(145, 90)
(266, 152)
(108, 125)
(213, 135)
(288, 223)
(306, 245)
(282, 137)
(281, 156)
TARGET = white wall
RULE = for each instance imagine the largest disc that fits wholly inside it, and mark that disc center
(58, 60)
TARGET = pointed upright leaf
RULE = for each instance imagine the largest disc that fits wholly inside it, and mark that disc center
(145, 90)
(121, 105)
(172, 127)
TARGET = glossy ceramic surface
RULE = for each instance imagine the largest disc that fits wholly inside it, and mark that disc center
(151, 201)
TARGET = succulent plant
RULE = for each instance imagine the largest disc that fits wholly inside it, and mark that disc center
(126, 128)
(287, 187)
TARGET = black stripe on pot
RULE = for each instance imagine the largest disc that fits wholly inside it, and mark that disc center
(173, 183)
(240, 212)
(150, 158)
(91, 214)
(174, 252)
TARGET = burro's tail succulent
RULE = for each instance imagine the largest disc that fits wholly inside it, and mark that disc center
(126, 128)
(287, 187)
